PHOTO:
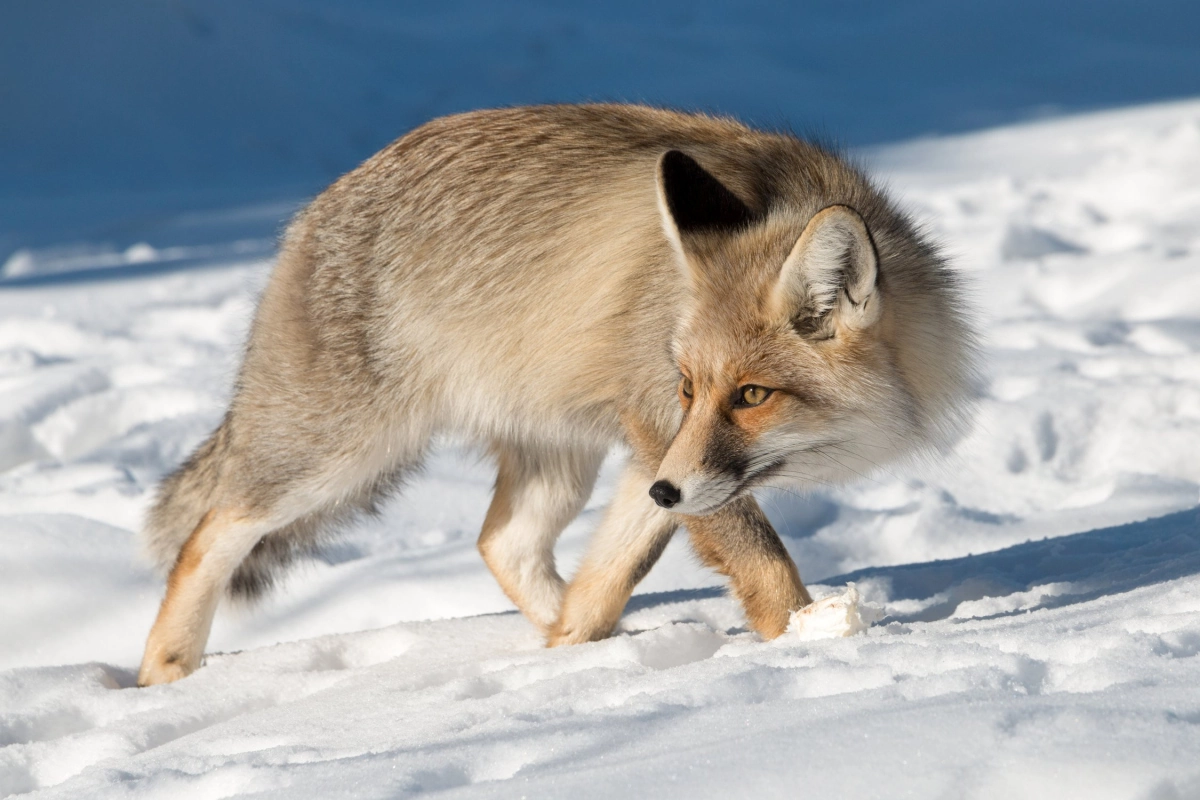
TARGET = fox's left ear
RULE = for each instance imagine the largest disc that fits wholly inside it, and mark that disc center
(829, 278)
(692, 201)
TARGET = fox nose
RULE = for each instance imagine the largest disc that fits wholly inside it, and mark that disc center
(665, 493)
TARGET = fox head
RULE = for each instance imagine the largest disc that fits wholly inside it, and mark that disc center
(812, 348)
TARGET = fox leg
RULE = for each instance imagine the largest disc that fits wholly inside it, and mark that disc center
(628, 542)
(739, 541)
(537, 495)
(201, 573)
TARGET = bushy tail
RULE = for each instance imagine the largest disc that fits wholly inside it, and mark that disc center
(197, 487)
(184, 497)
(194, 489)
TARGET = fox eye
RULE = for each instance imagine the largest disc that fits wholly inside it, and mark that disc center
(685, 388)
(751, 395)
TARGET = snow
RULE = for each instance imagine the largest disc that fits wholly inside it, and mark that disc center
(1038, 589)
(836, 615)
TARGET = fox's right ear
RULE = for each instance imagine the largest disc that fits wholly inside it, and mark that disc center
(692, 201)
(829, 279)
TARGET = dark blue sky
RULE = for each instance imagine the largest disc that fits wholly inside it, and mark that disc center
(117, 111)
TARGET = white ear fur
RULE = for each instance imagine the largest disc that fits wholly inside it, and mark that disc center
(670, 229)
(832, 267)
(691, 200)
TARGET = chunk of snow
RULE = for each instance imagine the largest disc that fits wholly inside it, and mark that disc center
(832, 617)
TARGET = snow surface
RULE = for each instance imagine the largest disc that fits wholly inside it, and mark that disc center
(1040, 588)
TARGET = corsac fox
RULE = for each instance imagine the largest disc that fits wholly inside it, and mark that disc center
(739, 309)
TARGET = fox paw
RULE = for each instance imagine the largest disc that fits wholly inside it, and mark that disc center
(163, 670)
(562, 633)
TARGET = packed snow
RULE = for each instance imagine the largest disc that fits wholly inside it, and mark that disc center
(1018, 619)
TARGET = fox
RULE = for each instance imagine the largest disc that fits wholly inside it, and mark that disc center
(733, 308)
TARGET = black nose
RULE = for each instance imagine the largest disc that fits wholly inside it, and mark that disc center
(664, 493)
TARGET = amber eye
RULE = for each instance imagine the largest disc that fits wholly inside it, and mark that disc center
(685, 388)
(752, 396)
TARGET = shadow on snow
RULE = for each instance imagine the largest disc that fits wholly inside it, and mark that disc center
(1072, 569)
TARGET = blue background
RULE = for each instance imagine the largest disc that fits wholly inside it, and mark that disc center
(117, 117)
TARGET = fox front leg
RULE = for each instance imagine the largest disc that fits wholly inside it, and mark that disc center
(738, 541)
(631, 537)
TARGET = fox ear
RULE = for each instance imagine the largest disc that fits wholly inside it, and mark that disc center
(829, 278)
(691, 200)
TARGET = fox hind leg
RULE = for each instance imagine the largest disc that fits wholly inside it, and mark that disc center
(202, 570)
(220, 554)
(537, 495)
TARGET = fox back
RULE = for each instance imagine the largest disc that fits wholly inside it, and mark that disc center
(543, 274)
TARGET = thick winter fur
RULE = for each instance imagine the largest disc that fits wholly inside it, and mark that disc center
(549, 282)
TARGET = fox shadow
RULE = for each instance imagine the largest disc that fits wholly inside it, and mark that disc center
(1071, 569)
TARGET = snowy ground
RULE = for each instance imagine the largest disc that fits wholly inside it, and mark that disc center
(1041, 587)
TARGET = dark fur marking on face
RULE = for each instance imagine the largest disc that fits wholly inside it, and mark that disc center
(724, 453)
(698, 201)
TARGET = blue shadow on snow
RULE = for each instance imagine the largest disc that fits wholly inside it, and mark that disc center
(1106, 561)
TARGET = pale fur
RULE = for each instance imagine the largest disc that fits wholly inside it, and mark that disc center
(514, 278)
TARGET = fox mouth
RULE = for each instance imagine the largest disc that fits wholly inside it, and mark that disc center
(747, 483)
(758, 478)
(761, 476)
